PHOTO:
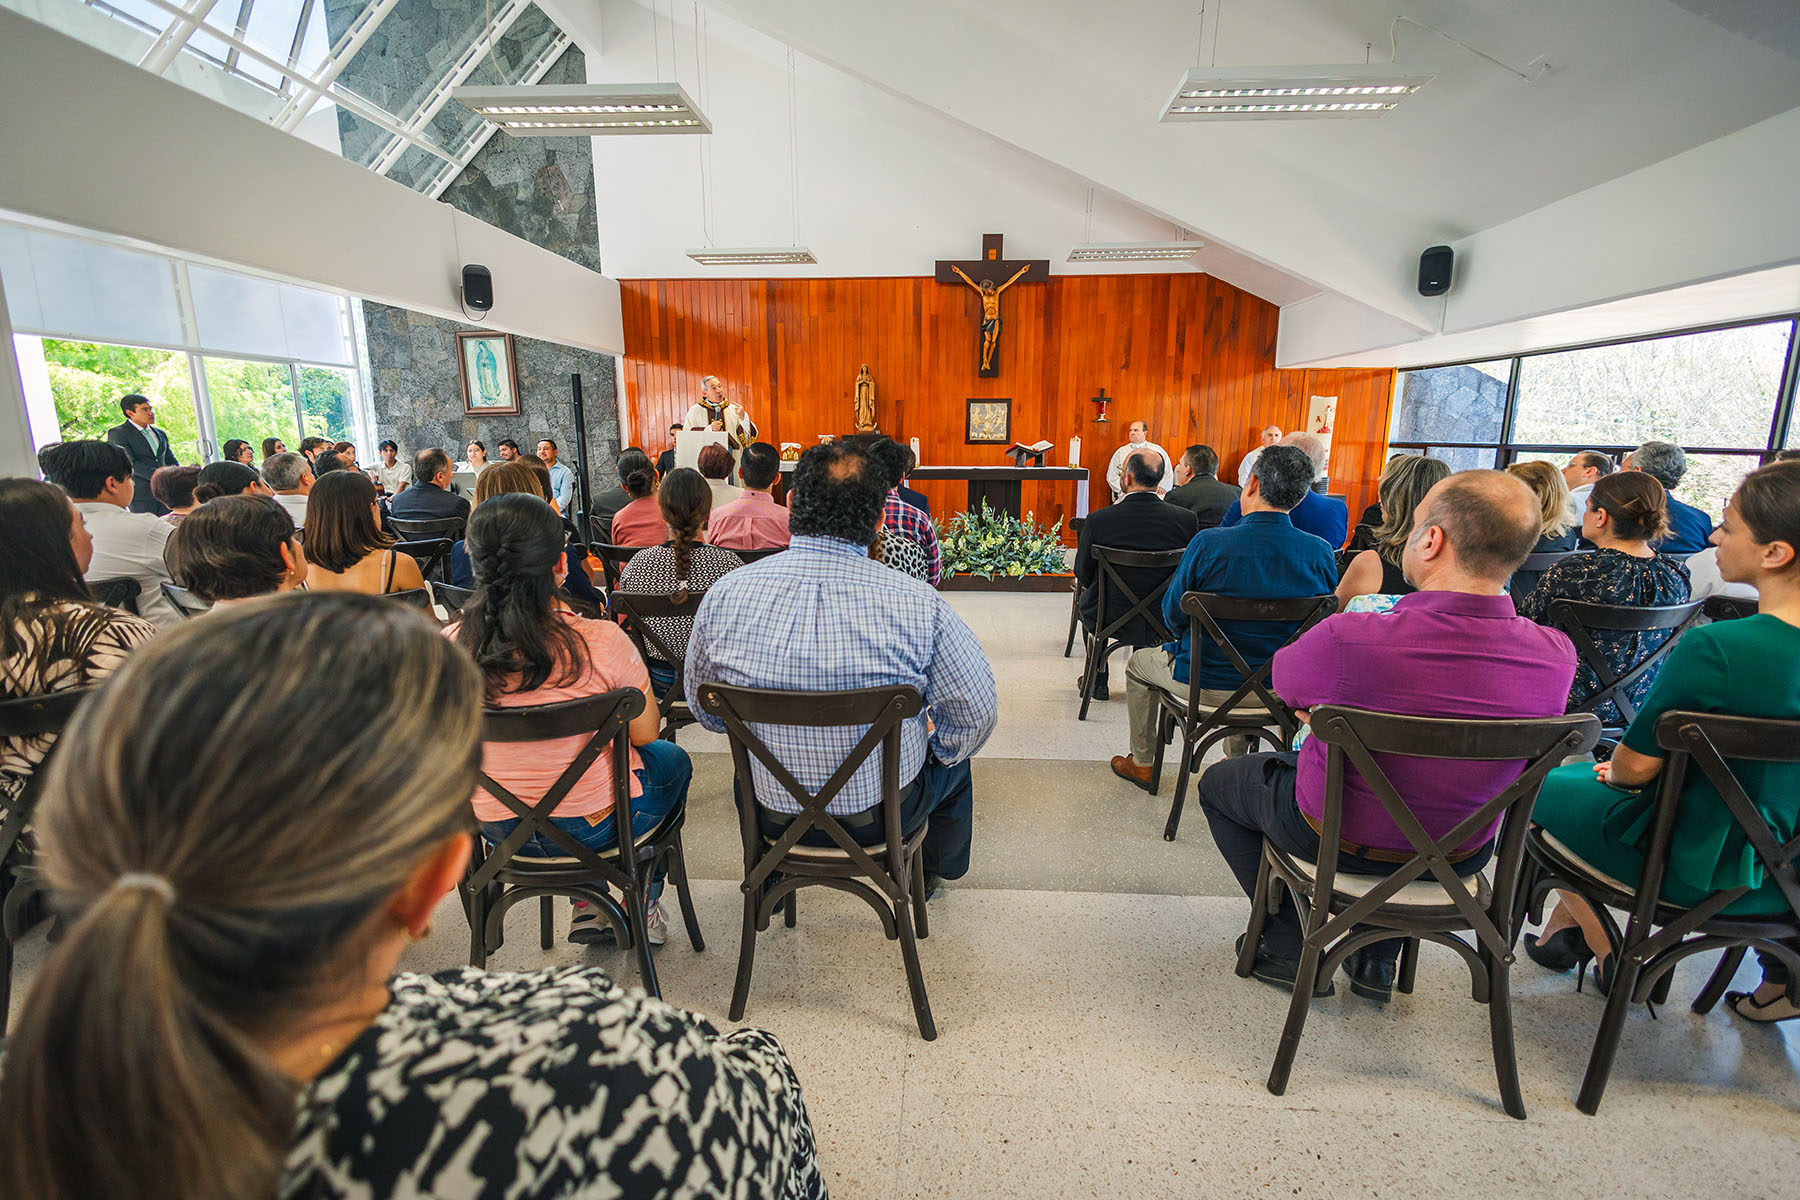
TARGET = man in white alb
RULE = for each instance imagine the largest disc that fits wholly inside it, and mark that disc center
(1271, 436)
(1139, 433)
(713, 412)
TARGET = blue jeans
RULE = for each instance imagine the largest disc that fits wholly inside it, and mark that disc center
(664, 776)
(662, 677)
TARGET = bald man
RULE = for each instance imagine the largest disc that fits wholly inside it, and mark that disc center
(1454, 648)
(1271, 436)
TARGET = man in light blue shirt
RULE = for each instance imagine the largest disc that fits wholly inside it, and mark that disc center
(562, 480)
(823, 616)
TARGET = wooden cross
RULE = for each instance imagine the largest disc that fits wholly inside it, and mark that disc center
(1102, 400)
(990, 275)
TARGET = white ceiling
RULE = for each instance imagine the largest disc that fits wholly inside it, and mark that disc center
(922, 125)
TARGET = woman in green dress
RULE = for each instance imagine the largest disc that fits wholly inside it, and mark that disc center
(1748, 667)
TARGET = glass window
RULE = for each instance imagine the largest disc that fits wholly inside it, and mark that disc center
(65, 285)
(1452, 404)
(1697, 389)
(251, 400)
(88, 378)
(325, 405)
(1711, 478)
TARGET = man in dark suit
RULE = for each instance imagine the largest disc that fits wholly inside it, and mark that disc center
(148, 446)
(665, 462)
(1141, 520)
(429, 498)
(1198, 488)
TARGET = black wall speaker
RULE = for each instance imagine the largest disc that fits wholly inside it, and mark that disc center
(1434, 270)
(478, 288)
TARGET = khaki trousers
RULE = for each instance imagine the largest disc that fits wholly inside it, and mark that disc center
(1153, 668)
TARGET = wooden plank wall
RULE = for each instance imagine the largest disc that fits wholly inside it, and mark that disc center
(1191, 354)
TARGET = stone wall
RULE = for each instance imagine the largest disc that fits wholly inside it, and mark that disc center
(418, 393)
(540, 189)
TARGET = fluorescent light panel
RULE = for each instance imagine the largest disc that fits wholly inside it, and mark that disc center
(586, 109)
(748, 256)
(1133, 251)
(1292, 93)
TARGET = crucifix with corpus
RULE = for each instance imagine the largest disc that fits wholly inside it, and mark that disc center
(981, 274)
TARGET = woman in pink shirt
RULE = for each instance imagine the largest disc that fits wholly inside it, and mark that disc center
(533, 650)
(640, 523)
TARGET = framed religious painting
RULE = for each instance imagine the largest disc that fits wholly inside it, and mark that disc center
(490, 377)
(989, 423)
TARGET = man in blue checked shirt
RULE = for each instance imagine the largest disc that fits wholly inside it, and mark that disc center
(822, 616)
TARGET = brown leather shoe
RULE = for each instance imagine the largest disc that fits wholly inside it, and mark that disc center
(1126, 767)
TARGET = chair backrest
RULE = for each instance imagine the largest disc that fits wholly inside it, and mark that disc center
(635, 611)
(605, 721)
(33, 716)
(613, 559)
(751, 556)
(599, 529)
(884, 710)
(115, 593)
(426, 528)
(1526, 576)
(433, 555)
(413, 598)
(452, 597)
(1730, 608)
(1712, 741)
(185, 602)
(1579, 619)
(1206, 609)
(1357, 735)
(1118, 604)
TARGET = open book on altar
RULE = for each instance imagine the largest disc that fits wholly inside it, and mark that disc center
(1023, 455)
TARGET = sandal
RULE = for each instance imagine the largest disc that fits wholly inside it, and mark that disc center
(1775, 1011)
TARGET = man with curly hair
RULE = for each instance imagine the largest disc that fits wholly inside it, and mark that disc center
(821, 616)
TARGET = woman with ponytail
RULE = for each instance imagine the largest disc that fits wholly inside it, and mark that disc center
(1627, 513)
(222, 1019)
(1747, 668)
(686, 564)
(639, 523)
(533, 649)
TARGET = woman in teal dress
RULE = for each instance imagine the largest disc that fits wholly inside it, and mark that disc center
(1748, 667)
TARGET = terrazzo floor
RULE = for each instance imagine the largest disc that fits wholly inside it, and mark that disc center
(1094, 1041)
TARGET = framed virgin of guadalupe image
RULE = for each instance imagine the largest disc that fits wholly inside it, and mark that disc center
(490, 377)
(989, 423)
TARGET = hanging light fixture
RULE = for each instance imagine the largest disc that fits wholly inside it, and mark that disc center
(586, 109)
(1291, 93)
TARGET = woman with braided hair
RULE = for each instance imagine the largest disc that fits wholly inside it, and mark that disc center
(533, 649)
(686, 564)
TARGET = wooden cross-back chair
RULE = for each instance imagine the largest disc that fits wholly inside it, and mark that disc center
(636, 611)
(1117, 593)
(1579, 620)
(889, 876)
(1202, 725)
(186, 603)
(1424, 899)
(499, 876)
(432, 555)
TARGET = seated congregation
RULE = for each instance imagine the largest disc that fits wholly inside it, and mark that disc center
(253, 947)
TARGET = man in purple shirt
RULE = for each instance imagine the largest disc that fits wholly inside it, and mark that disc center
(1454, 648)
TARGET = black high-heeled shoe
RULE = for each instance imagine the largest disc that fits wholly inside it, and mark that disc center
(1563, 950)
(1603, 974)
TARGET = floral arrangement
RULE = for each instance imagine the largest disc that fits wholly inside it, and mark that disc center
(990, 543)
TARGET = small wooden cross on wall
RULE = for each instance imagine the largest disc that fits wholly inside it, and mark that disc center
(1102, 400)
(990, 275)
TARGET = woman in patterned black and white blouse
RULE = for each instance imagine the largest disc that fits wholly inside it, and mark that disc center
(686, 564)
(251, 821)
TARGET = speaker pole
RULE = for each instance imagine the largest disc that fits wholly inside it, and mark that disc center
(583, 505)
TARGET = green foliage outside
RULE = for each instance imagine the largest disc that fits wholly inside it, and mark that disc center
(250, 400)
(990, 543)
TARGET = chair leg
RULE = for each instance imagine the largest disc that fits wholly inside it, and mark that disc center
(640, 934)
(1500, 1029)
(1259, 916)
(740, 991)
(678, 876)
(915, 978)
(1729, 962)
(791, 909)
(1181, 779)
(1606, 1040)
(1095, 650)
(1162, 742)
(477, 908)
(6, 966)
(1074, 622)
(1301, 1004)
(546, 922)
(920, 920)
(1409, 966)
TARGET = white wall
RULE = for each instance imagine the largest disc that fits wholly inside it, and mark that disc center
(99, 144)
